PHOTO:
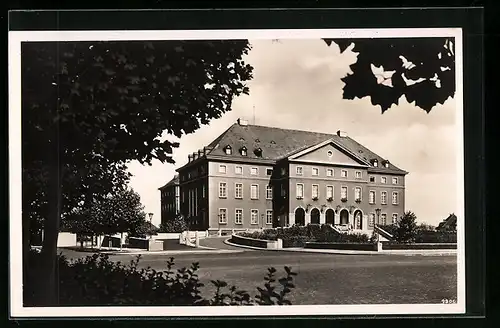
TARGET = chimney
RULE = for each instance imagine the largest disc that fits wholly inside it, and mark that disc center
(190, 158)
(342, 134)
(195, 156)
(242, 122)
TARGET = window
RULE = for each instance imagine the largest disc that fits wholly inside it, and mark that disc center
(269, 192)
(329, 172)
(222, 168)
(269, 171)
(238, 169)
(343, 192)
(372, 179)
(394, 218)
(300, 190)
(359, 175)
(395, 180)
(330, 153)
(269, 217)
(238, 190)
(329, 192)
(254, 191)
(222, 190)
(238, 216)
(283, 171)
(383, 180)
(343, 173)
(315, 171)
(383, 219)
(371, 220)
(357, 194)
(254, 216)
(254, 171)
(299, 170)
(395, 198)
(243, 151)
(228, 150)
(375, 163)
(383, 197)
(371, 197)
(222, 215)
(315, 191)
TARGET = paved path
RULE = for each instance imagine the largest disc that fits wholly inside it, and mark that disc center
(218, 243)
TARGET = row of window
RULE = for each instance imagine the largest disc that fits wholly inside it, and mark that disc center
(344, 194)
(344, 174)
(238, 169)
(238, 191)
(383, 219)
(238, 216)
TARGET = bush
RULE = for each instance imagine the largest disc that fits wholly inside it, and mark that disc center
(176, 225)
(436, 237)
(95, 280)
(297, 236)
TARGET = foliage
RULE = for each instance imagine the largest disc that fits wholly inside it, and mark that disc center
(144, 229)
(297, 236)
(177, 224)
(121, 211)
(425, 227)
(96, 281)
(89, 108)
(406, 228)
(427, 236)
(421, 69)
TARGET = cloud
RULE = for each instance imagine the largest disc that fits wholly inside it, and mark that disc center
(297, 85)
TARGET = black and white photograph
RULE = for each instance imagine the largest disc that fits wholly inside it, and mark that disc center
(236, 172)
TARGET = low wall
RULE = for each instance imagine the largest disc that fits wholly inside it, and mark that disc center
(166, 235)
(141, 243)
(342, 246)
(260, 243)
(66, 239)
(155, 245)
(418, 246)
(109, 240)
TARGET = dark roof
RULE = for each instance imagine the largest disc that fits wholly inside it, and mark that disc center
(278, 143)
(449, 222)
(174, 181)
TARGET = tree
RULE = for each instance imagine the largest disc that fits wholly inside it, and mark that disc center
(89, 104)
(118, 212)
(177, 224)
(421, 69)
(406, 230)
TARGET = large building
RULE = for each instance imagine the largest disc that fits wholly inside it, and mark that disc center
(257, 176)
(170, 199)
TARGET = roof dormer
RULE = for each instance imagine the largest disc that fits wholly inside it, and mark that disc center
(243, 151)
(258, 152)
(385, 163)
(374, 162)
(228, 150)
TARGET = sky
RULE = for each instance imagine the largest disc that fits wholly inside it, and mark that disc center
(297, 85)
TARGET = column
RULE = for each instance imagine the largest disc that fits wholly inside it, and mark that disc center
(336, 218)
(291, 217)
(307, 218)
(322, 217)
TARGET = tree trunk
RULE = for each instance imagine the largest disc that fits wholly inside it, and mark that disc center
(47, 294)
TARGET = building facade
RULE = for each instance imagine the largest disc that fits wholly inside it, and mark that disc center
(170, 199)
(255, 176)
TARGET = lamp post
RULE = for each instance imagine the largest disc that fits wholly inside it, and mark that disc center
(262, 221)
(150, 215)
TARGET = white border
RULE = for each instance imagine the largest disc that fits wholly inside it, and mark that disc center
(16, 308)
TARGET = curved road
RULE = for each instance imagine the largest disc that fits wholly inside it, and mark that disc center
(324, 278)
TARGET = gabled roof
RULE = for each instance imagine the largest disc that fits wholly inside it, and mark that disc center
(277, 143)
(174, 181)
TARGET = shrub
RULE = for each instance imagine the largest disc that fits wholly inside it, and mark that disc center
(297, 236)
(96, 280)
(406, 228)
(436, 237)
(176, 225)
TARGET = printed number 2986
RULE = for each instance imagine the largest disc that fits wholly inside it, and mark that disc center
(449, 301)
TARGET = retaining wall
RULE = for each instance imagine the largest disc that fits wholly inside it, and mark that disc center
(418, 246)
